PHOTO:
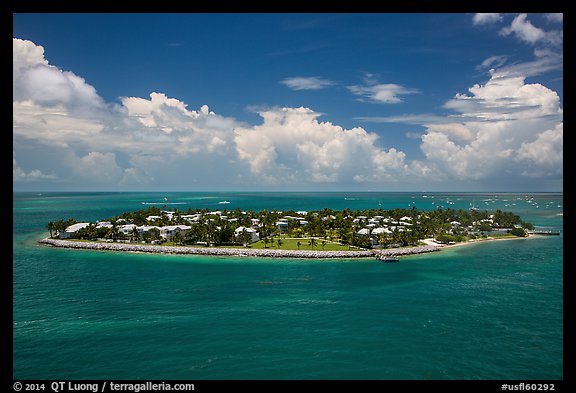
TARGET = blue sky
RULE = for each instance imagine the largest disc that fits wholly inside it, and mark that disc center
(335, 102)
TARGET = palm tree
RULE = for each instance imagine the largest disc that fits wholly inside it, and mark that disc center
(209, 232)
(298, 244)
(90, 231)
(177, 238)
(193, 234)
(279, 242)
(50, 227)
(245, 237)
(383, 238)
(112, 233)
(60, 225)
(154, 234)
(323, 244)
(312, 242)
(134, 234)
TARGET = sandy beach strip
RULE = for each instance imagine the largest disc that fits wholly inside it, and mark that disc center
(487, 239)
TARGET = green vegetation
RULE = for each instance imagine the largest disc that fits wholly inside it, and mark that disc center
(59, 225)
(326, 229)
(518, 232)
(297, 244)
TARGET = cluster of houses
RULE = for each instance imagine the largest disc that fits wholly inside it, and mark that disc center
(167, 231)
(282, 223)
(377, 225)
(372, 227)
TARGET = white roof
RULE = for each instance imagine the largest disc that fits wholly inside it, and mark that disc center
(174, 227)
(146, 228)
(363, 231)
(240, 229)
(378, 231)
(76, 227)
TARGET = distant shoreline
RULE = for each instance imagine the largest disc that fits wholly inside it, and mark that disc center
(431, 246)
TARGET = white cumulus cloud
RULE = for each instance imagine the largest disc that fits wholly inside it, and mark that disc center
(97, 167)
(545, 153)
(486, 18)
(455, 131)
(36, 80)
(185, 131)
(513, 129)
(293, 146)
(307, 83)
(64, 132)
(20, 174)
(58, 111)
(525, 31)
(555, 17)
(385, 93)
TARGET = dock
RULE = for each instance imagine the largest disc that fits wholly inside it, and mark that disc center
(543, 232)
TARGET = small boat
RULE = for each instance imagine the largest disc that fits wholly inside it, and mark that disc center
(387, 258)
(474, 208)
(223, 202)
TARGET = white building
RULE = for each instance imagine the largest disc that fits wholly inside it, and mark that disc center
(378, 231)
(168, 231)
(282, 224)
(254, 236)
(72, 229)
(104, 224)
(126, 229)
(191, 217)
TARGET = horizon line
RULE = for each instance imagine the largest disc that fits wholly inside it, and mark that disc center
(292, 191)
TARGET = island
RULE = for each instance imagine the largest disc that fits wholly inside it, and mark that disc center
(324, 233)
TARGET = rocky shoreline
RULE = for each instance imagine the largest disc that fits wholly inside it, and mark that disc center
(241, 252)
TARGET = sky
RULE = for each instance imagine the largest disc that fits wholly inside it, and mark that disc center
(288, 102)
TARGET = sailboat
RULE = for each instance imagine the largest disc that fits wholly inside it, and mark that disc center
(473, 208)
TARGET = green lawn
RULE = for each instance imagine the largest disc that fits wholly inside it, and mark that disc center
(287, 244)
(292, 244)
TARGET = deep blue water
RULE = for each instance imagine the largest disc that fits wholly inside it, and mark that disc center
(483, 311)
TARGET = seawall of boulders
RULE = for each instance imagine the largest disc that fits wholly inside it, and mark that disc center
(241, 252)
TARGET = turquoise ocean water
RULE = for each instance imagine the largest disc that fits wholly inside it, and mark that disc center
(483, 311)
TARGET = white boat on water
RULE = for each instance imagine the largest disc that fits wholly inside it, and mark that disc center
(474, 208)
(223, 202)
